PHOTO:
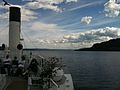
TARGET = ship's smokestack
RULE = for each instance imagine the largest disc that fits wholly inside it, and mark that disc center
(14, 31)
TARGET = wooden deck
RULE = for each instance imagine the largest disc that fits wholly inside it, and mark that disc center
(17, 85)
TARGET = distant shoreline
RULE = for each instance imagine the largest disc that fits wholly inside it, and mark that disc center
(111, 45)
(37, 49)
(48, 49)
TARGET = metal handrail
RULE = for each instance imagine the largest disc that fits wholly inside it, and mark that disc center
(54, 83)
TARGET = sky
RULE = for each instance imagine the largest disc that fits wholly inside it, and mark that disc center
(63, 24)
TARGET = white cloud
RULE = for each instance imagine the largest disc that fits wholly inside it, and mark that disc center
(73, 40)
(4, 15)
(47, 4)
(45, 26)
(82, 39)
(28, 15)
(86, 5)
(47, 1)
(86, 19)
(88, 38)
(43, 32)
(44, 5)
(2, 6)
(71, 1)
(112, 8)
(4, 34)
(53, 1)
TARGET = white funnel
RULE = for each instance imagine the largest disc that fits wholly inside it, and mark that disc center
(14, 31)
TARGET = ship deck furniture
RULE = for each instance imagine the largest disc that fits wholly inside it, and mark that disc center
(68, 85)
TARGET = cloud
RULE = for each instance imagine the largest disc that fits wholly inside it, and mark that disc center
(28, 15)
(53, 1)
(86, 19)
(27, 10)
(112, 8)
(86, 5)
(43, 31)
(4, 34)
(2, 6)
(44, 5)
(47, 4)
(47, 1)
(82, 39)
(42, 34)
(4, 16)
(45, 27)
(88, 38)
(71, 1)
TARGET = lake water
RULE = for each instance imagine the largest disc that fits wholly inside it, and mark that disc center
(91, 70)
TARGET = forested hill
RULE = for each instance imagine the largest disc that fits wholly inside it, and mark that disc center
(111, 45)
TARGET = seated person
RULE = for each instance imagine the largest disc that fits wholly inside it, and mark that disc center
(33, 66)
(21, 67)
(15, 62)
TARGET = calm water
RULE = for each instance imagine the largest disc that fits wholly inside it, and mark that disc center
(91, 70)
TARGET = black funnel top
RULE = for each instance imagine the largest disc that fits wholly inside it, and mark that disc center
(15, 14)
